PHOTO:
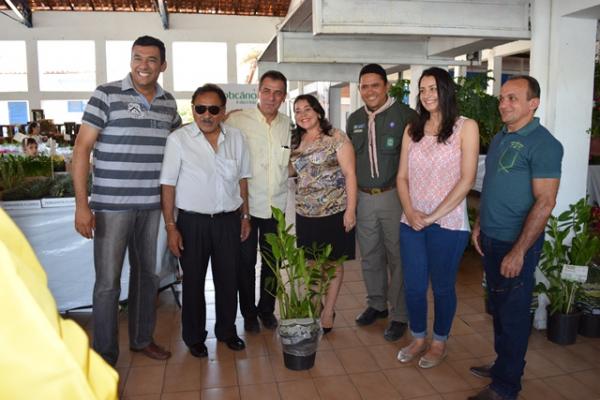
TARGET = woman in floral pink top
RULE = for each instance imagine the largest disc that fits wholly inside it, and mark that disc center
(438, 164)
(323, 158)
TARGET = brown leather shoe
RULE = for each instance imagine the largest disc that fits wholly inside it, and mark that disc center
(154, 351)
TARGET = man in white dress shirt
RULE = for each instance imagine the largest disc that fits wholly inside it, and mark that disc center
(204, 175)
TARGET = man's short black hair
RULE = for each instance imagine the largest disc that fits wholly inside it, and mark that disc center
(373, 69)
(210, 88)
(533, 86)
(274, 75)
(152, 41)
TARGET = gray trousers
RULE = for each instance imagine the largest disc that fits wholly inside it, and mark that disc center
(378, 234)
(115, 233)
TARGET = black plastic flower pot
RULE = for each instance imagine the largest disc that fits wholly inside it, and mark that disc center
(299, 363)
(562, 328)
(299, 342)
(589, 325)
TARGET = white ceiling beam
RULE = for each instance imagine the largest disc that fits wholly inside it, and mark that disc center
(305, 48)
(510, 49)
(454, 46)
(313, 71)
(21, 10)
(468, 18)
(163, 12)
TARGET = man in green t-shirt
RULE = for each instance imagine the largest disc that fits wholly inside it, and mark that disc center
(522, 175)
(376, 132)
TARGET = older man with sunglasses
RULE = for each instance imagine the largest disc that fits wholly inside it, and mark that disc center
(204, 175)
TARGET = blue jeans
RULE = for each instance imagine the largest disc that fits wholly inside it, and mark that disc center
(510, 300)
(433, 252)
(116, 232)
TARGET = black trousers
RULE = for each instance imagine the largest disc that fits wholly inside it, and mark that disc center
(246, 275)
(218, 239)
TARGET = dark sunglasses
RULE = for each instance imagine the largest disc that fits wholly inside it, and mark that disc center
(200, 109)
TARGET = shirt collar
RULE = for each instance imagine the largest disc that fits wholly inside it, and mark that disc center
(127, 84)
(527, 129)
(197, 132)
(262, 118)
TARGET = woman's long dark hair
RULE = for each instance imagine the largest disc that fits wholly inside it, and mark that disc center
(446, 89)
(324, 124)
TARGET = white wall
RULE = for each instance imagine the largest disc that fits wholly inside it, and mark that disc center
(103, 26)
(562, 56)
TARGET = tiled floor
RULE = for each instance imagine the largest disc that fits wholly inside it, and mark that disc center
(352, 362)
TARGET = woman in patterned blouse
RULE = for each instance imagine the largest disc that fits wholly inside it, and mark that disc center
(323, 159)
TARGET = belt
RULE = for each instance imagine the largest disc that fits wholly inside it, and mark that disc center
(215, 215)
(376, 190)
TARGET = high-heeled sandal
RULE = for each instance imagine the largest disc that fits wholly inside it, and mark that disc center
(327, 330)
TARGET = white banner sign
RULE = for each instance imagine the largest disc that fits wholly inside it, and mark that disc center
(240, 96)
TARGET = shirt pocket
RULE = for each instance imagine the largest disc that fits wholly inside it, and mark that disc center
(508, 159)
(359, 142)
(389, 143)
(228, 169)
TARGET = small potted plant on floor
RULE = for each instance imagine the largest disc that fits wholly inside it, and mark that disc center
(298, 285)
(589, 304)
(565, 266)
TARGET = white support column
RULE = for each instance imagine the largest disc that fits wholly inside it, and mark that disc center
(495, 68)
(33, 76)
(355, 99)
(415, 74)
(231, 63)
(566, 73)
(335, 106)
(460, 70)
(100, 48)
(167, 76)
(540, 50)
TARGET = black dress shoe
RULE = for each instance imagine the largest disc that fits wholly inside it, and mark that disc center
(370, 315)
(394, 331)
(198, 350)
(268, 320)
(251, 325)
(482, 371)
(235, 343)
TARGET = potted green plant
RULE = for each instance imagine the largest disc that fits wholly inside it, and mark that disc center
(589, 304)
(558, 257)
(298, 286)
(474, 102)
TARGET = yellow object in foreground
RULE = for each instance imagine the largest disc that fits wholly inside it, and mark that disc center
(42, 356)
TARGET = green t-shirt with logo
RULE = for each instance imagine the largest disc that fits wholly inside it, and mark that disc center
(513, 160)
(389, 128)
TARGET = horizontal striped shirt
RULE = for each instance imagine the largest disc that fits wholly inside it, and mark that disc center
(130, 146)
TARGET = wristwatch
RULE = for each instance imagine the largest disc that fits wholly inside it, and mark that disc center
(246, 216)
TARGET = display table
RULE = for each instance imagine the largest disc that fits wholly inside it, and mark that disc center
(67, 257)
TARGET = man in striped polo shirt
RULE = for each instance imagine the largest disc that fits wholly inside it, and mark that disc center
(126, 124)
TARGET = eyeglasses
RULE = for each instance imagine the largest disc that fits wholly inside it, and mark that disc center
(200, 109)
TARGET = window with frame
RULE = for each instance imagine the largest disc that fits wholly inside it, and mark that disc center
(13, 66)
(197, 63)
(61, 111)
(67, 65)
